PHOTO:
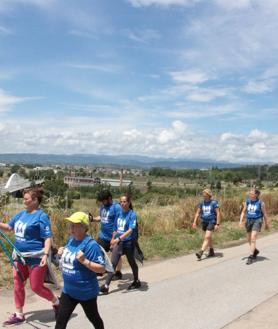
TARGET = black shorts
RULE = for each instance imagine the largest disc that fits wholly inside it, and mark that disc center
(105, 244)
(253, 225)
(208, 226)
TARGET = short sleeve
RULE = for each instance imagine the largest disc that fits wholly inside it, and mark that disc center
(132, 221)
(45, 226)
(94, 253)
(14, 219)
(215, 204)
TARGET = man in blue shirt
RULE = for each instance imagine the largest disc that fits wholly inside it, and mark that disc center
(108, 214)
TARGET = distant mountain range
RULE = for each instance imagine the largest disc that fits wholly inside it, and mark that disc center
(131, 161)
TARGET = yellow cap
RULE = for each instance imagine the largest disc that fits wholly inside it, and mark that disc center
(79, 217)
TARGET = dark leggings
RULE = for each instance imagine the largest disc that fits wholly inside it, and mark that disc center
(124, 248)
(67, 306)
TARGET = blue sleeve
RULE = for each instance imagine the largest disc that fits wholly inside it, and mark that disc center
(45, 227)
(215, 204)
(14, 219)
(200, 205)
(132, 221)
(94, 253)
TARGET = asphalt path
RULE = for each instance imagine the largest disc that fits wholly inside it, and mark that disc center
(183, 293)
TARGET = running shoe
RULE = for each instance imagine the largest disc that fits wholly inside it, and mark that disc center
(211, 253)
(117, 276)
(104, 289)
(250, 260)
(199, 254)
(135, 285)
(14, 319)
(256, 252)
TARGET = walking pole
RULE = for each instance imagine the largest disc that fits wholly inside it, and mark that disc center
(11, 260)
(19, 254)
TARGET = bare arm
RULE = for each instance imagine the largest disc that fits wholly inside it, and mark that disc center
(95, 267)
(47, 246)
(265, 217)
(124, 235)
(5, 227)
(197, 215)
(218, 218)
(242, 215)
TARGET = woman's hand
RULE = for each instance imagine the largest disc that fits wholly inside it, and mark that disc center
(266, 226)
(114, 242)
(194, 225)
(80, 256)
(240, 224)
(60, 251)
(43, 261)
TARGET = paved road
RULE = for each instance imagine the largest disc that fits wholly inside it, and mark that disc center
(181, 293)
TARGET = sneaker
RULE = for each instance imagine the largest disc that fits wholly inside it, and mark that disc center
(104, 289)
(134, 285)
(211, 253)
(14, 319)
(250, 260)
(199, 254)
(256, 252)
(117, 276)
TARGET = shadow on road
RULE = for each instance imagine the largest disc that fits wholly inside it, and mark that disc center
(42, 318)
(125, 282)
(258, 259)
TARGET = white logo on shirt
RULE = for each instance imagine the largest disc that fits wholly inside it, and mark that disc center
(121, 224)
(104, 216)
(252, 208)
(19, 229)
(68, 258)
(206, 210)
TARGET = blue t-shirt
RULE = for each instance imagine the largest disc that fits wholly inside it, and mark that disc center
(125, 221)
(208, 212)
(253, 209)
(80, 282)
(108, 216)
(30, 231)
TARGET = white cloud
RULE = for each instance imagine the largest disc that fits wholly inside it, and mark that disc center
(5, 31)
(184, 111)
(88, 136)
(259, 86)
(189, 76)
(7, 101)
(207, 94)
(94, 67)
(231, 41)
(142, 35)
(238, 4)
(139, 3)
(257, 134)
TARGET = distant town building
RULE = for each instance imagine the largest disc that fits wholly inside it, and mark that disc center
(74, 181)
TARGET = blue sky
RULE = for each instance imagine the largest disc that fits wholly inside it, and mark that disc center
(167, 78)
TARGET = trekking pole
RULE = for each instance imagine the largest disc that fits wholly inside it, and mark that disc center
(11, 260)
(19, 254)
